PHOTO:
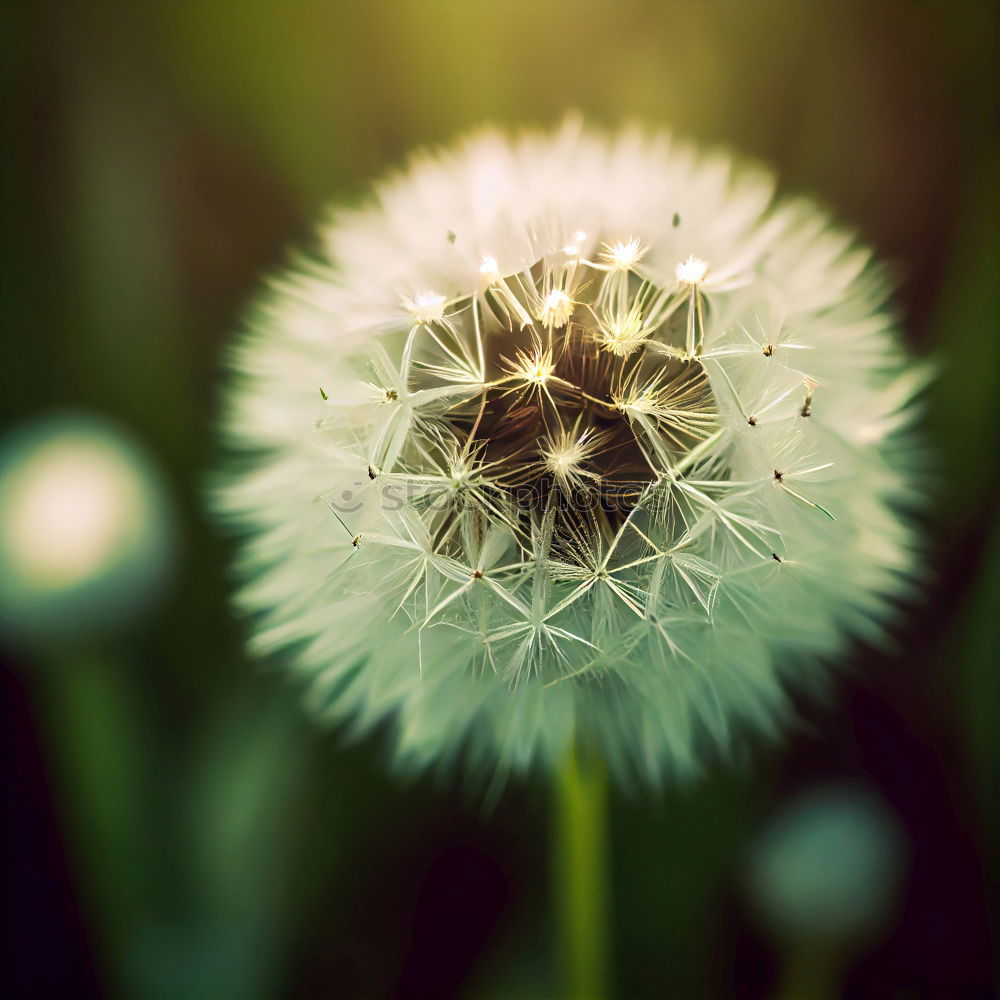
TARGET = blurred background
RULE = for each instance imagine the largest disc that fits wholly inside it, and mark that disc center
(173, 825)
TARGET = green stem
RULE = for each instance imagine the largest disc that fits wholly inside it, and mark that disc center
(579, 848)
(809, 974)
(101, 774)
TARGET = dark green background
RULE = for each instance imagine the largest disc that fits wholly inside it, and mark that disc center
(178, 829)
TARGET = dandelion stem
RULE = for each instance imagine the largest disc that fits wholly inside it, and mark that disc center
(579, 847)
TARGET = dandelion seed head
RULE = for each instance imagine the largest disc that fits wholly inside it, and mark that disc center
(576, 529)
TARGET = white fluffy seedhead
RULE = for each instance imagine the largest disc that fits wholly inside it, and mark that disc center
(570, 435)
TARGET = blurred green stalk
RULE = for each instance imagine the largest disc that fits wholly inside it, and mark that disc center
(579, 867)
(101, 774)
(810, 974)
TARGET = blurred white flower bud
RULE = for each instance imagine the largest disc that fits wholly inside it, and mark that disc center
(86, 529)
(826, 869)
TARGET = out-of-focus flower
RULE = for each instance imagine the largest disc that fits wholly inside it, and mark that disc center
(826, 870)
(85, 529)
(570, 433)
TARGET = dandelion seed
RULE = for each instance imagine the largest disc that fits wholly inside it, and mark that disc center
(623, 335)
(623, 256)
(566, 454)
(556, 309)
(533, 368)
(428, 307)
(806, 409)
(691, 271)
